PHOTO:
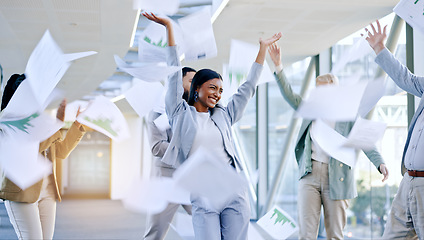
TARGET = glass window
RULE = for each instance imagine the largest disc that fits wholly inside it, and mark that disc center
(367, 214)
(280, 117)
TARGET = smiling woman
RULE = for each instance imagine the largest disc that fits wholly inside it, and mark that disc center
(204, 123)
(206, 89)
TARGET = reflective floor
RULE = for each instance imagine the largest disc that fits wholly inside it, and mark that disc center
(90, 219)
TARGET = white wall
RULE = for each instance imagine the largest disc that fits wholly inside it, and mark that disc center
(127, 158)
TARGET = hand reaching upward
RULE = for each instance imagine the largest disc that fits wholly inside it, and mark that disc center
(275, 54)
(376, 37)
(161, 20)
(271, 40)
(264, 44)
(165, 22)
(61, 110)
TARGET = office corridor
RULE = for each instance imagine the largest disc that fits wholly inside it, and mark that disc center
(90, 219)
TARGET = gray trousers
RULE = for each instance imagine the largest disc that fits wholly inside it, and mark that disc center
(230, 222)
(406, 219)
(158, 224)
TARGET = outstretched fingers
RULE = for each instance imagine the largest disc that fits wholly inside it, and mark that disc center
(271, 40)
(154, 18)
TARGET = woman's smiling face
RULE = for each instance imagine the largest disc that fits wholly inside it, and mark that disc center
(209, 94)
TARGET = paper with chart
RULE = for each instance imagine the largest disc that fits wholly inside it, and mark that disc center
(36, 127)
(412, 11)
(331, 102)
(72, 109)
(198, 35)
(365, 133)
(242, 56)
(21, 162)
(332, 143)
(153, 41)
(19, 145)
(278, 223)
(144, 96)
(153, 72)
(169, 7)
(104, 116)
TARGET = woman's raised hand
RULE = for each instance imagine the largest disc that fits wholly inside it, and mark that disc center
(165, 22)
(161, 20)
(271, 40)
(264, 44)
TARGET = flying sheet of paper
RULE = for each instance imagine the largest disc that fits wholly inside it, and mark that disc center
(169, 7)
(253, 233)
(154, 72)
(198, 35)
(412, 11)
(359, 49)
(153, 195)
(22, 104)
(144, 96)
(162, 122)
(37, 127)
(204, 176)
(365, 133)
(332, 143)
(242, 55)
(339, 103)
(74, 56)
(104, 116)
(373, 92)
(153, 41)
(146, 196)
(184, 226)
(175, 193)
(160, 105)
(230, 83)
(278, 223)
(22, 163)
(72, 109)
(45, 67)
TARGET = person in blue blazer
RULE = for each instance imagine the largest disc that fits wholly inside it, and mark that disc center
(406, 220)
(204, 123)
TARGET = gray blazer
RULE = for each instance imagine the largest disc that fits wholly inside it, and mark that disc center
(340, 176)
(158, 139)
(182, 117)
(405, 80)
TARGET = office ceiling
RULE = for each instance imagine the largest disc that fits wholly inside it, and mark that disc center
(106, 26)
